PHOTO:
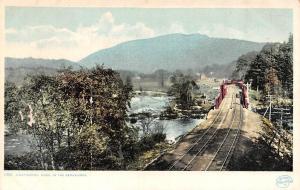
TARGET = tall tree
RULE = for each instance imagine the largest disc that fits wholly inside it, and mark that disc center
(101, 101)
(14, 115)
(272, 69)
(51, 114)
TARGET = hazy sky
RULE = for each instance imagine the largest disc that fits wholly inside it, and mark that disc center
(73, 33)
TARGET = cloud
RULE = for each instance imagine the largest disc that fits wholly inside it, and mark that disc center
(47, 41)
(176, 28)
(221, 31)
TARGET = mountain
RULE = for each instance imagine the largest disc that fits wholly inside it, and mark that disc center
(171, 52)
(17, 69)
(36, 62)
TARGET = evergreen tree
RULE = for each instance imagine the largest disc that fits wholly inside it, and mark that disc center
(272, 69)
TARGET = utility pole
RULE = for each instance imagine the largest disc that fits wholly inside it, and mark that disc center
(270, 106)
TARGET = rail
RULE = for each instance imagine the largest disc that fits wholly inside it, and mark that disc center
(232, 145)
(199, 139)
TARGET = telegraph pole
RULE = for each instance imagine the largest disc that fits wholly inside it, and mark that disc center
(270, 105)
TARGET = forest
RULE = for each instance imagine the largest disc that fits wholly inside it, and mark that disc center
(270, 70)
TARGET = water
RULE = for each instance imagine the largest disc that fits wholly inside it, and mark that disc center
(147, 103)
(174, 127)
(177, 127)
(18, 144)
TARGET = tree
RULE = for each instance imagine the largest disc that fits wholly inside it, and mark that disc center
(50, 112)
(272, 69)
(243, 64)
(182, 88)
(79, 118)
(13, 106)
(101, 101)
(146, 121)
(128, 89)
(272, 82)
(285, 66)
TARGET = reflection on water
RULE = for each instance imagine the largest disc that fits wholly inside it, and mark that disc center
(174, 127)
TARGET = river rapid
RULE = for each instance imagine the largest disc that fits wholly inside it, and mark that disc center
(154, 104)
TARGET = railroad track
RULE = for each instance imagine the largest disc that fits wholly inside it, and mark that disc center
(225, 150)
(198, 146)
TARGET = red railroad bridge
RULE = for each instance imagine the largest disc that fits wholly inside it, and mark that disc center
(223, 91)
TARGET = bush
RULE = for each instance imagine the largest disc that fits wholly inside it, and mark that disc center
(149, 141)
(28, 161)
(159, 137)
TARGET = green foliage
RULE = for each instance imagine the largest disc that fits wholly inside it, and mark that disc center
(270, 70)
(29, 161)
(77, 120)
(128, 89)
(81, 113)
(13, 107)
(148, 142)
(182, 88)
(242, 65)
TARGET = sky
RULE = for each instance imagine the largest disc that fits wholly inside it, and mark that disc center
(74, 33)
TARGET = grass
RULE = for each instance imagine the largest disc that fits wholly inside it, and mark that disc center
(147, 157)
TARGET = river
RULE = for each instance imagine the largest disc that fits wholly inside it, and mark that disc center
(173, 128)
(20, 143)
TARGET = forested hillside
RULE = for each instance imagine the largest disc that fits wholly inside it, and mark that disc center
(16, 69)
(270, 70)
(171, 52)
